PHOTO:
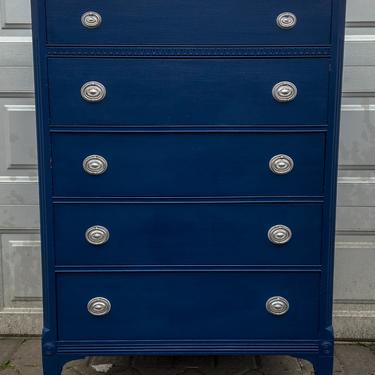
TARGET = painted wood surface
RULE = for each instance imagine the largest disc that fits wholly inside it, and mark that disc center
(146, 160)
(18, 199)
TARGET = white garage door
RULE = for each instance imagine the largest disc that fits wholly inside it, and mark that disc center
(355, 247)
(20, 295)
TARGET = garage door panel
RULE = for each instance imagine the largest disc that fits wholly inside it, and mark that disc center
(355, 245)
(20, 284)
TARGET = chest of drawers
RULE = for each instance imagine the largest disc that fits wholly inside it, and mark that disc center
(187, 162)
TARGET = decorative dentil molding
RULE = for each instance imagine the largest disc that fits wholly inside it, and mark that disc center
(249, 51)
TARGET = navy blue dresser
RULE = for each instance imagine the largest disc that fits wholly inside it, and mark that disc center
(188, 160)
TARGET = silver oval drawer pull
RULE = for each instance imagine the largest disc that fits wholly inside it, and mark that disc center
(284, 91)
(93, 91)
(99, 306)
(286, 20)
(277, 305)
(97, 235)
(95, 165)
(91, 19)
(281, 164)
(279, 234)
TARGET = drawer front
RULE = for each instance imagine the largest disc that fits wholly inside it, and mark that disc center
(196, 22)
(191, 92)
(187, 305)
(195, 233)
(187, 164)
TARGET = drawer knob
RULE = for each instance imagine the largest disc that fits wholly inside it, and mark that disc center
(91, 19)
(286, 20)
(284, 91)
(95, 165)
(93, 91)
(99, 306)
(279, 234)
(281, 164)
(277, 305)
(97, 235)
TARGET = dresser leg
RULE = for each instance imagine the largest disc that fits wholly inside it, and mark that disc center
(323, 365)
(53, 364)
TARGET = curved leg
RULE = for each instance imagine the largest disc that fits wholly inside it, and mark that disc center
(323, 365)
(53, 364)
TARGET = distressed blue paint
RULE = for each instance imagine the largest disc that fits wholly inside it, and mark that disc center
(188, 127)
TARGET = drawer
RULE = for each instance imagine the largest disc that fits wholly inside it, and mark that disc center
(189, 233)
(187, 164)
(194, 22)
(190, 92)
(187, 305)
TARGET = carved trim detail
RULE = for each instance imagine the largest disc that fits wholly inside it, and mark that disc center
(326, 348)
(128, 348)
(49, 348)
(322, 51)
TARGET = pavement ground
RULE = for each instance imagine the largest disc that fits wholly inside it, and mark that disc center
(21, 356)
